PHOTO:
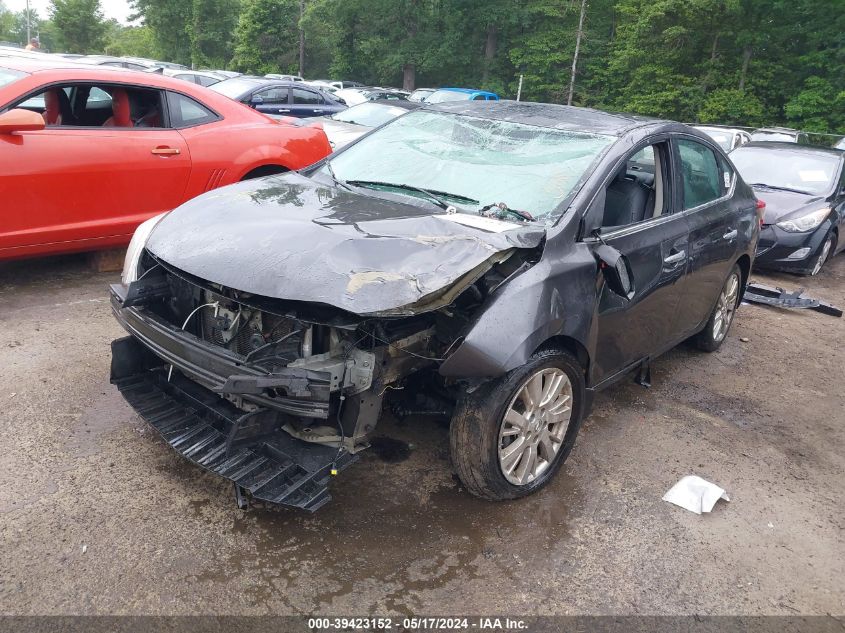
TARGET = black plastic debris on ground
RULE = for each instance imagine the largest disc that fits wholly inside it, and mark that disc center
(198, 424)
(780, 298)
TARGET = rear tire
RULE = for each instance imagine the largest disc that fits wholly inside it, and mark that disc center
(716, 331)
(501, 446)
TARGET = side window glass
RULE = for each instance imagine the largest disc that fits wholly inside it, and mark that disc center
(273, 95)
(701, 175)
(205, 81)
(185, 112)
(637, 191)
(97, 98)
(306, 97)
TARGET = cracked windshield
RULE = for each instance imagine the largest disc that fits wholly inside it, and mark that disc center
(472, 164)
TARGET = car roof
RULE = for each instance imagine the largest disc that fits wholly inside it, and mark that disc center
(777, 129)
(72, 71)
(467, 90)
(260, 81)
(723, 128)
(549, 115)
(396, 103)
(783, 146)
(30, 65)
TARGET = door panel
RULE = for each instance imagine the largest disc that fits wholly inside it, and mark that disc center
(714, 230)
(306, 103)
(273, 100)
(66, 184)
(629, 330)
(643, 197)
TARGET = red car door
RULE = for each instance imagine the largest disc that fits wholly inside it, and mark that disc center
(79, 188)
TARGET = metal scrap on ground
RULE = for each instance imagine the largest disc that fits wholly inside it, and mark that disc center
(778, 297)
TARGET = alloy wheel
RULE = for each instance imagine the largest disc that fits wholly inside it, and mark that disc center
(823, 256)
(725, 307)
(534, 426)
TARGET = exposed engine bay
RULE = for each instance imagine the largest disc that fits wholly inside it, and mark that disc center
(313, 372)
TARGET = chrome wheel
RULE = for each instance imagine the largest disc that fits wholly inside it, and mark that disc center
(534, 426)
(828, 244)
(725, 307)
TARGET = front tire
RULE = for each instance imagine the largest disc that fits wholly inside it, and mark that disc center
(510, 437)
(824, 254)
(714, 333)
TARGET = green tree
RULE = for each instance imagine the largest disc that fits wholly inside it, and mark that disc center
(211, 31)
(79, 24)
(267, 37)
(132, 41)
(7, 23)
(198, 32)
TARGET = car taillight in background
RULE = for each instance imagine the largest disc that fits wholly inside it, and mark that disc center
(761, 207)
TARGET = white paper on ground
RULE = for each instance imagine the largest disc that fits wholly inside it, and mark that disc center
(695, 494)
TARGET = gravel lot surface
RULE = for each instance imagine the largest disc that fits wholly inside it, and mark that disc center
(99, 516)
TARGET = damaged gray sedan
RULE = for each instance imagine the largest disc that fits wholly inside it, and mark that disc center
(503, 261)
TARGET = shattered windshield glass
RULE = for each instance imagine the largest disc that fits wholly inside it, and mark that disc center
(472, 163)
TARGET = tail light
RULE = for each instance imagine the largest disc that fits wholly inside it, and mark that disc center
(761, 207)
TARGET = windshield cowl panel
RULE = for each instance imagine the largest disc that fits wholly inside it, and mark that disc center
(525, 168)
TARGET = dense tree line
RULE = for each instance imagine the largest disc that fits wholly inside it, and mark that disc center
(745, 62)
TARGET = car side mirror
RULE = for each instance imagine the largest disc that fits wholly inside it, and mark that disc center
(256, 100)
(20, 120)
(616, 270)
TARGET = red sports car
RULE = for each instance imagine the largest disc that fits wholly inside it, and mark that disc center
(88, 153)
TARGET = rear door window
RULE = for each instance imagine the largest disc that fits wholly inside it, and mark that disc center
(306, 97)
(186, 112)
(273, 95)
(700, 173)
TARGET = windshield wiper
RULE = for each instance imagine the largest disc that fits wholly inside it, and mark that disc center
(500, 211)
(431, 195)
(776, 187)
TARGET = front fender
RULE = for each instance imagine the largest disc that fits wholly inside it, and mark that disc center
(550, 299)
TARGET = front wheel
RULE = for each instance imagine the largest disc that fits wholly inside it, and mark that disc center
(714, 333)
(511, 436)
(824, 254)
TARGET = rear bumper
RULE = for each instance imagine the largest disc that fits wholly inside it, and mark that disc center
(251, 450)
(213, 367)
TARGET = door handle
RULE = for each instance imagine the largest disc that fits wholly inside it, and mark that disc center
(674, 259)
(317, 111)
(165, 151)
(281, 110)
(730, 235)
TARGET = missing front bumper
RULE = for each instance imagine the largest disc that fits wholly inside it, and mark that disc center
(248, 449)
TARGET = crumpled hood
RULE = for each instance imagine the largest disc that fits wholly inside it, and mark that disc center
(289, 237)
(780, 205)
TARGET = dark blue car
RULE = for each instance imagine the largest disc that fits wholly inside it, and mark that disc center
(279, 98)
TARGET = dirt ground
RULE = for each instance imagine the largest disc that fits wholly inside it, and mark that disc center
(99, 516)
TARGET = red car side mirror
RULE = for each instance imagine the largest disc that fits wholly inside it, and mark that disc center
(19, 120)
